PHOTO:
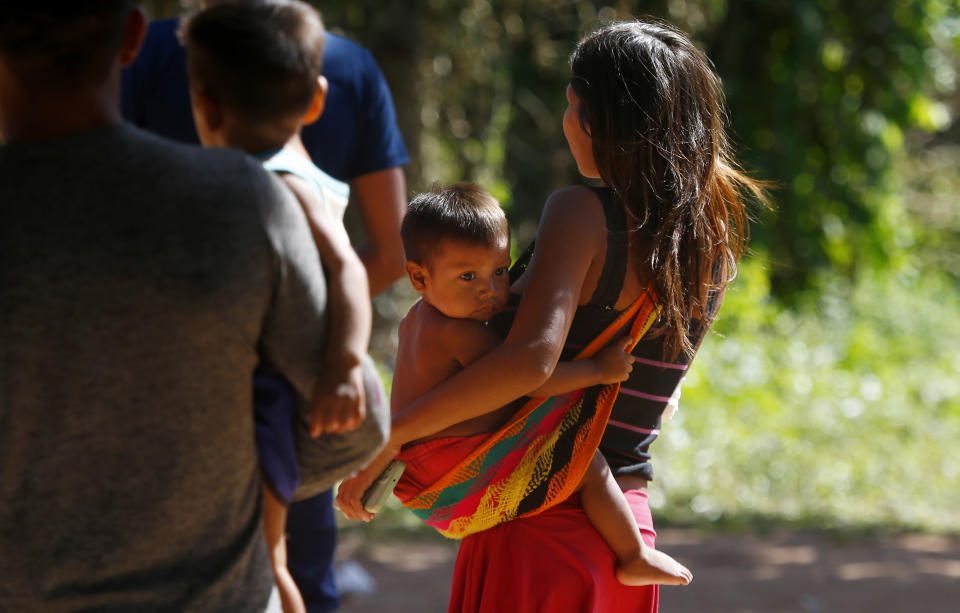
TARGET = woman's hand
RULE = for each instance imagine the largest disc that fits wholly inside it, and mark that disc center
(614, 361)
(350, 493)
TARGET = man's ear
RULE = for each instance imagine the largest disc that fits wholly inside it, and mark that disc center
(206, 109)
(133, 34)
(319, 100)
(419, 276)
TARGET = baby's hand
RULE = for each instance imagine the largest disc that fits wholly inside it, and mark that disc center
(338, 402)
(614, 362)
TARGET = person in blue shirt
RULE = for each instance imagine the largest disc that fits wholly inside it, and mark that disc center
(357, 141)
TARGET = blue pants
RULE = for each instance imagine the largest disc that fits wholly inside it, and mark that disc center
(312, 540)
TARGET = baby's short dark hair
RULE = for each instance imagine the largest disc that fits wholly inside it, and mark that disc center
(461, 212)
(260, 58)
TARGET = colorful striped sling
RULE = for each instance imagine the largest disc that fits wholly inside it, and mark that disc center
(538, 458)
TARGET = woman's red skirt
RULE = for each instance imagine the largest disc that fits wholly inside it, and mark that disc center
(554, 562)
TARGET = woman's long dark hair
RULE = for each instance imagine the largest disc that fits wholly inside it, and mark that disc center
(654, 110)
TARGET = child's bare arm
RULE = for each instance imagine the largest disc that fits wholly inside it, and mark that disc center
(611, 364)
(338, 402)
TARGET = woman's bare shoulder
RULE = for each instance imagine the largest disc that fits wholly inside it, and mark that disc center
(576, 205)
(570, 213)
(573, 194)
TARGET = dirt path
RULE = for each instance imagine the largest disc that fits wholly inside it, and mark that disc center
(786, 572)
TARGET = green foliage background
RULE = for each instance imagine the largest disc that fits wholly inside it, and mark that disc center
(830, 394)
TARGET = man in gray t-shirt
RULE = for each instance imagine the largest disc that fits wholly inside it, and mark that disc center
(140, 284)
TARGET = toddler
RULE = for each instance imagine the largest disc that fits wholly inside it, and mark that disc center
(254, 72)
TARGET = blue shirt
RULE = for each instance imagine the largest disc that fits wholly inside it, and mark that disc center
(356, 135)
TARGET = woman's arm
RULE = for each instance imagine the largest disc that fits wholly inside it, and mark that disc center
(570, 236)
(462, 339)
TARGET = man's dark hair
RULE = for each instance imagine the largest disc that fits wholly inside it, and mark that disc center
(62, 43)
(460, 212)
(260, 58)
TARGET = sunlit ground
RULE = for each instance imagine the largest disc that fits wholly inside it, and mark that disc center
(789, 571)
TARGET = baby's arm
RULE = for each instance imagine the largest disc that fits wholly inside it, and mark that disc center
(338, 402)
(611, 364)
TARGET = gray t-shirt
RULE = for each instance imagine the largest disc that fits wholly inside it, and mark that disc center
(141, 282)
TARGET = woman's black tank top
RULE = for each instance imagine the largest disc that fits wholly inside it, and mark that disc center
(635, 420)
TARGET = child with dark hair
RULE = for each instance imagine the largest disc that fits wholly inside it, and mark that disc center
(457, 244)
(254, 69)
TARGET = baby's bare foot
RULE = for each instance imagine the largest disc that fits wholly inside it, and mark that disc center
(653, 567)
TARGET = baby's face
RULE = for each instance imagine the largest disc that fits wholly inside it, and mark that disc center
(467, 281)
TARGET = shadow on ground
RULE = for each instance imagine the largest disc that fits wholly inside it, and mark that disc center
(785, 572)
